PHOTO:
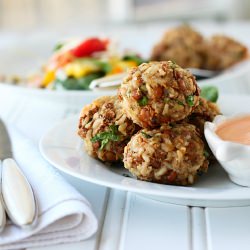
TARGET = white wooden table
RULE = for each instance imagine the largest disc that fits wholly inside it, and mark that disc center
(129, 221)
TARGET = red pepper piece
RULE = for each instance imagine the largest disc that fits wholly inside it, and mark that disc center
(89, 46)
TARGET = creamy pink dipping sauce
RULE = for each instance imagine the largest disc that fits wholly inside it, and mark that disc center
(235, 130)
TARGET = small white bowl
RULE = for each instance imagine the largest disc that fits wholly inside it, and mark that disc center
(233, 157)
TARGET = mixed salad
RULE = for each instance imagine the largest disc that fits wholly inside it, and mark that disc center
(74, 64)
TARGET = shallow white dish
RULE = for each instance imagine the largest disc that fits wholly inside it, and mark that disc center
(233, 80)
(60, 147)
(21, 56)
(72, 98)
(233, 157)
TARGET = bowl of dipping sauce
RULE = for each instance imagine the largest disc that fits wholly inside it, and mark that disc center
(229, 140)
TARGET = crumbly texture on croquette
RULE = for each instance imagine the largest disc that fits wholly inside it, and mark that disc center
(205, 111)
(105, 128)
(223, 52)
(157, 93)
(182, 44)
(168, 155)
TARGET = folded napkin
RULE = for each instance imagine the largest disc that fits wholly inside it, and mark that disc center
(64, 214)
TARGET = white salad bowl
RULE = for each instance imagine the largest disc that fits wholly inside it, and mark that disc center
(233, 157)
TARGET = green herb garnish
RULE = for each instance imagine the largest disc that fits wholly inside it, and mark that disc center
(166, 100)
(104, 66)
(206, 153)
(106, 136)
(190, 100)
(210, 93)
(143, 101)
(134, 58)
(126, 175)
(173, 65)
(71, 83)
(147, 136)
(180, 103)
(58, 46)
(200, 103)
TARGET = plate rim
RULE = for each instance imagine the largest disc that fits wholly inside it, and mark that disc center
(229, 74)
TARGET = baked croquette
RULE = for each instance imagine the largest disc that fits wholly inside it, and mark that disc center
(157, 93)
(105, 128)
(169, 155)
(183, 44)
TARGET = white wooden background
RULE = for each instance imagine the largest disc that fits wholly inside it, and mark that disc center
(33, 15)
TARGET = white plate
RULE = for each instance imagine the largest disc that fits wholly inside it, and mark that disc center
(233, 80)
(60, 147)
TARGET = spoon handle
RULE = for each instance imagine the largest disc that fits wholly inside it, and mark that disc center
(18, 196)
(2, 211)
(2, 216)
(107, 81)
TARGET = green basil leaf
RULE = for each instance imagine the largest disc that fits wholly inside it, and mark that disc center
(143, 101)
(106, 136)
(134, 58)
(104, 66)
(81, 83)
(180, 103)
(147, 136)
(58, 46)
(210, 93)
(206, 153)
(190, 100)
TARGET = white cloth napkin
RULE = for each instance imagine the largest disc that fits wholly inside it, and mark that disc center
(64, 214)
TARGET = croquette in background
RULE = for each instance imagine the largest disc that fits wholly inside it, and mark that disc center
(189, 49)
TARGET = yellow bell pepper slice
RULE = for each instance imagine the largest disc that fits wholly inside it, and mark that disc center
(79, 69)
(122, 66)
(48, 78)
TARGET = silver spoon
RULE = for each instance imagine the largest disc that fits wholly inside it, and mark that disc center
(2, 210)
(114, 81)
(17, 194)
(203, 73)
(107, 82)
